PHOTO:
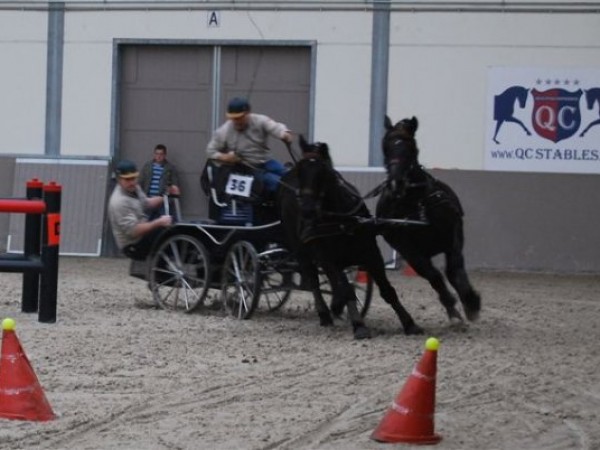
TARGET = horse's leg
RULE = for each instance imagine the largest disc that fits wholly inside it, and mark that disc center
(458, 278)
(425, 269)
(310, 279)
(342, 289)
(338, 300)
(376, 269)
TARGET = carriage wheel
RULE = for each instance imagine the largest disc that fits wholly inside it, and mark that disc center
(276, 290)
(363, 288)
(179, 273)
(276, 278)
(240, 280)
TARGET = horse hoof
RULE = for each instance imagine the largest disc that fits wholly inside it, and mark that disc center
(325, 320)
(454, 316)
(337, 309)
(472, 306)
(414, 329)
(362, 332)
(456, 322)
(472, 316)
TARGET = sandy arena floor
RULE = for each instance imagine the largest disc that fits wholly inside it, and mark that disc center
(121, 375)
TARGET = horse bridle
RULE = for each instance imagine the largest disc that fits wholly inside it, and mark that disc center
(413, 164)
(319, 196)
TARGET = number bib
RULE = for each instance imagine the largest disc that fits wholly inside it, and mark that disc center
(240, 185)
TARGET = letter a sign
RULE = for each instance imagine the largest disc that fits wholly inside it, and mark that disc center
(214, 19)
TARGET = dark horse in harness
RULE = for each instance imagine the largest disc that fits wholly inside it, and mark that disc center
(326, 223)
(412, 193)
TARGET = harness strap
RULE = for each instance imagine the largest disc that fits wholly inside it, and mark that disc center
(324, 230)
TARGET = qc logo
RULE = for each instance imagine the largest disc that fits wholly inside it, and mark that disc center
(555, 114)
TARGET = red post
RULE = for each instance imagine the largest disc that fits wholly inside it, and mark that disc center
(50, 247)
(15, 205)
(32, 249)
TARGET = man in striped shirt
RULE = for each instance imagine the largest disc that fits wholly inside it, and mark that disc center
(159, 176)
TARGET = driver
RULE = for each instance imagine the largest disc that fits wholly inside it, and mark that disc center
(243, 138)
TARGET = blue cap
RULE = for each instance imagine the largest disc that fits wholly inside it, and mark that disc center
(237, 107)
(126, 169)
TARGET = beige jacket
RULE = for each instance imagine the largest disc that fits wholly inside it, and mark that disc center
(250, 144)
(125, 212)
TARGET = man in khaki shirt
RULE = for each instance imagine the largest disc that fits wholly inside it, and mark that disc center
(127, 209)
(243, 138)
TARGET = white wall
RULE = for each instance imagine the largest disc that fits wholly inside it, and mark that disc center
(439, 68)
(22, 82)
(343, 68)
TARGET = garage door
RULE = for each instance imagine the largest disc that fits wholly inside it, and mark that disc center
(176, 95)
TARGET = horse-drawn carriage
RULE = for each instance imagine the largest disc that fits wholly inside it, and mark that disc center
(237, 255)
(253, 247)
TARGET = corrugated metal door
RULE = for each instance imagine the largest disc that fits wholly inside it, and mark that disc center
(167, 94)
(165, 97)
(276, 80)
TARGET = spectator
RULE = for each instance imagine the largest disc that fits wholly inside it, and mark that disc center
(159, 176)
(127, 210)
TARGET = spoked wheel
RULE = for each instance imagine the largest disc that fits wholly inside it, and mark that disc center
(179, 273)
(276, 277)
(276, 290)
(240, 280)
(360, 280)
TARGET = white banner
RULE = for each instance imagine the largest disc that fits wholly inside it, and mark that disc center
(543, 120)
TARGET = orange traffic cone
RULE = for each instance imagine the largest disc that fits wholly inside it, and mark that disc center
(408, 271)
(410, 418)
(362, 277)
(21, 396)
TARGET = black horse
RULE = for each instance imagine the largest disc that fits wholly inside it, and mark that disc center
(412, 193)
(326, 223)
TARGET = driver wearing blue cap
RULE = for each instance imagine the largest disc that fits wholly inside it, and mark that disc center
(243, 138)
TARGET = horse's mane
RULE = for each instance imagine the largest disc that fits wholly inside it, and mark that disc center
(348, 197)
(424, 187)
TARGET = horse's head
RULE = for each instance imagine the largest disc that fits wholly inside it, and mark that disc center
(400, 152)
(315, 177)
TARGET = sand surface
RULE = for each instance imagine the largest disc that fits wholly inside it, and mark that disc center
(122, 375)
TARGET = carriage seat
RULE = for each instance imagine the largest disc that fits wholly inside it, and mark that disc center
(236, 195)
